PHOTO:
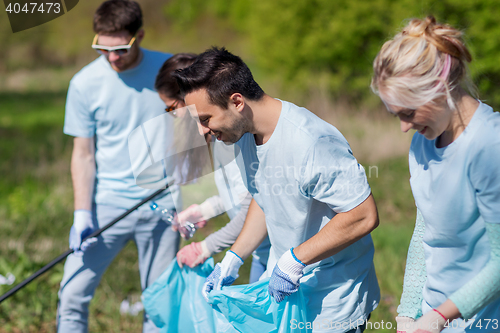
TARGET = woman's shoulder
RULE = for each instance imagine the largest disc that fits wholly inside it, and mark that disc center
(487, 133)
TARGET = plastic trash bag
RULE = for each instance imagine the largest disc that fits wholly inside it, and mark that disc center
(250, 308)
(175, 304)
(174, 301)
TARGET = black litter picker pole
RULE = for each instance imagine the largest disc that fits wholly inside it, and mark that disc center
(68, 252)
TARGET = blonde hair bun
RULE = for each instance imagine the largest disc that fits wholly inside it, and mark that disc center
(409, 68)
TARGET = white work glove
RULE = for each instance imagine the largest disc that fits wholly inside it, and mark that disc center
(224, 273)
(431, 322)
(404, 324)
(8, 279)
(286, 275)
(193, 254)
(82, 227)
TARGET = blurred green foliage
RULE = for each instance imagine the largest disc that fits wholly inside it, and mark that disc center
(303, 45)
(331, 44)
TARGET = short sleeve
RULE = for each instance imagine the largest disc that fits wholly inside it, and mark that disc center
(79, 120)
(331, 174)
(485, 178)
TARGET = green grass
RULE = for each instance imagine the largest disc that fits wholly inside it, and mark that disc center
(36, 215)
(391, 190)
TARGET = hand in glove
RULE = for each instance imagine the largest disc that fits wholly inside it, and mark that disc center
(285, 277)
(82, 227)
(224, 273)
(193, 254)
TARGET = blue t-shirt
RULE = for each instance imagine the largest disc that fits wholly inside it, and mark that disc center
(301, 178)
(457, 190)
(108, 106)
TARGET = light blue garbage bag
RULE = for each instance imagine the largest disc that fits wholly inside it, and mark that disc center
(174, 301)
(175, 304)
(250, 308)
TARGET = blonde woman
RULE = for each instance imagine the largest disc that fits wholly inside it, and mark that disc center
(452, 278)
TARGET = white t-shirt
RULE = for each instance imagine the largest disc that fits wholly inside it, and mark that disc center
(227, 176)
(457, 190)
(301, 178)
(232, 189)
(108, 106)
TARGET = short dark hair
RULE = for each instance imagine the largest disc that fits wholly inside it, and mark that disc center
(221, 74)
(118, 15)
(165, 83)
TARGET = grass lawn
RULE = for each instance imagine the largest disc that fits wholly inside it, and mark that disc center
(36, 205)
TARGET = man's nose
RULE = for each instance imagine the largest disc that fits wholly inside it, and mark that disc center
(113, 56)
(203, 129)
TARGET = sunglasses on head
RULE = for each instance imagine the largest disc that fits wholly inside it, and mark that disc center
(119, 49)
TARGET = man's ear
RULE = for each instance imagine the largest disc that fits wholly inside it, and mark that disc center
(237, 101)
(139, 36)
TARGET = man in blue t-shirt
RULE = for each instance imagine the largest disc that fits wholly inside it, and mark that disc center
(107, 100)
(310, 195)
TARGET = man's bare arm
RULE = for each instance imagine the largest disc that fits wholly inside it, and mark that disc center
(83, 172)
(341, 231)
(253, 233)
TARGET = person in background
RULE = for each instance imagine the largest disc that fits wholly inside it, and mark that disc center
(106, 100)
(233, 196)
(309, 194)
(452, 278)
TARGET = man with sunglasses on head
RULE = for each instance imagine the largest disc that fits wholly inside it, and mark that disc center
(107, 100)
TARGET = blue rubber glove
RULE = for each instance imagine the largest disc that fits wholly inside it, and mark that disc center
(82, 227)
(286, 274)
(224, 273)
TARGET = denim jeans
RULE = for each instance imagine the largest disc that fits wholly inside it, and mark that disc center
(256, 270)
(156, 243)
